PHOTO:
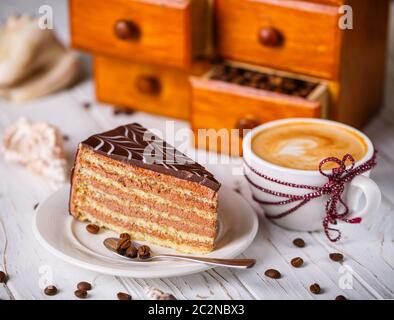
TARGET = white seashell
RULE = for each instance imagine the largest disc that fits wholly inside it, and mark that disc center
(37, 146)
(157, 294)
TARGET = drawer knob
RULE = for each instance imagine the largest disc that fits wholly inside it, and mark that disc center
(127, 30)
(270, 37)
(148, 85)
(244, 124)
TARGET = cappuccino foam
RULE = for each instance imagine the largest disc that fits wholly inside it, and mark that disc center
(303, 145)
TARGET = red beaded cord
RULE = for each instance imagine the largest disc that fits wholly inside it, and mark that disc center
(334, 187)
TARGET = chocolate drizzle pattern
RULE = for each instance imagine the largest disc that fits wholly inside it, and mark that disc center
(134, 144)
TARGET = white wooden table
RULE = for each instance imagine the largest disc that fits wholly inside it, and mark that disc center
(366, 273)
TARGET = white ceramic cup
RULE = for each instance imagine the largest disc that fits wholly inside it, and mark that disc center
(310, 216)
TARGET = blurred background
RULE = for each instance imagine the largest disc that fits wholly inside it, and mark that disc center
(61, 25)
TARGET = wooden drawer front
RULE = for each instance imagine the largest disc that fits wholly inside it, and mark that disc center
(154, 89)
(219, 105)
(298, 36)
(149, 31)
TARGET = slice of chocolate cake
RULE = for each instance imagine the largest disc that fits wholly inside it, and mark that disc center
(129, 180)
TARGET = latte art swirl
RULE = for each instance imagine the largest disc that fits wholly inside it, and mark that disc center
(303, 145)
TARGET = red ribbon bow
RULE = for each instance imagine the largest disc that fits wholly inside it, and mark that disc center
(334, 187)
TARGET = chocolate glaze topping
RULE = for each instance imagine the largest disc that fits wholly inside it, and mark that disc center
(134, 144)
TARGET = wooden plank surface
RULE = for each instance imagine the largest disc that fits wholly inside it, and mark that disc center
(369, 262)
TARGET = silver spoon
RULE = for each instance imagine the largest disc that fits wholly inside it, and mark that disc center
(110, 244)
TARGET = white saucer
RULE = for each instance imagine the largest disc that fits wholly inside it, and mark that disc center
(68, 239)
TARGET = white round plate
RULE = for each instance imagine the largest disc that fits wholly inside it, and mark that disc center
(68, 239)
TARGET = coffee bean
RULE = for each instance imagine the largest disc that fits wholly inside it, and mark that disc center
(122, 110)
(259, 77)
(50, 290)
(289, 85)
(84, 286)
(122, 245)
(272, 273)
(219, 71)
(303, 93)
(253, 84)
(131, 252)
(297, 262)
(337, 257)
(143, 252)
(123, 296)
(66, 137)
(234, 72)
(124, 236)
(92, 228)
(3, 277)
(35, 206)
(248, 75)
(340, 297)
(223, 77)
(315, 288)
(81, 294)
(275, 81)
(300, 243)
(264, 86)
(238, 80)
(86, 105)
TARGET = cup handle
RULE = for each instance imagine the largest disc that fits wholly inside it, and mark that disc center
(371, 193)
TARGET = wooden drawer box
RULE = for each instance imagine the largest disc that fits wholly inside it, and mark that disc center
(148, 31)
(155, 89)
(297, 36)
(220, 106)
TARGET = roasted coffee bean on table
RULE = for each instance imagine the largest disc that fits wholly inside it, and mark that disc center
(315, 288)
(340, 297)
(86, 105)
(35, 206)
(123, 111)
(84, 286)
(297, 262)
(3, 277)
(263, 81)
(81, 294)
(298, 242)
(272, 273)
(143, 252)
(92, 228)
(50, 290)
(337, 257)
(123, 296)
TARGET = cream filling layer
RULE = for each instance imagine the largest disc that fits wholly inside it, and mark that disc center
(131, 175)
(142, 194)
(187, 248)
(144, 223)
(97, 195)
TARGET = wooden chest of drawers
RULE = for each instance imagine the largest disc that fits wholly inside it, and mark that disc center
(146, 52)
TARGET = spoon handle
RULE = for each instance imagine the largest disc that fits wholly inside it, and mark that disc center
(230, 263)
